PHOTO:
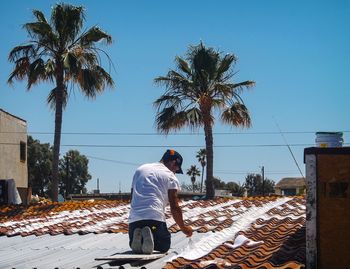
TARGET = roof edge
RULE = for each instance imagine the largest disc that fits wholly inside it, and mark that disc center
(12, 115)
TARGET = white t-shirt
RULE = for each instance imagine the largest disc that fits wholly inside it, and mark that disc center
(150, 186)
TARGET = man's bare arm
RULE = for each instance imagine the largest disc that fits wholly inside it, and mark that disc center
(177, 213)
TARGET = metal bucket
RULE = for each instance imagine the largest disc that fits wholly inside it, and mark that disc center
(329, 139)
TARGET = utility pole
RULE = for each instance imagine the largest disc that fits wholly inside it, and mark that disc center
(263, 180)
(67, 176)
(98, 185)
(120, 192)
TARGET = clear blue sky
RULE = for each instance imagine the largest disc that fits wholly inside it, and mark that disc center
(298, 52)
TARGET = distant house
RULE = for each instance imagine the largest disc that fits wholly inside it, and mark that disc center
(223, 193)
(290, 186)
(13, 151)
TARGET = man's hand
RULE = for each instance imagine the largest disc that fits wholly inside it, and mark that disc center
(187, 230)
(177, 213)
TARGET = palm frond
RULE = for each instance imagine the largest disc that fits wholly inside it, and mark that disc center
(173, 80)
(218, 103)
(222, 90)
(70, 62)
(237, 88)
(94, 34)
(193, 171)
(183, 66)
(224, 66)
(105, 77)
(194, 118)
(39, 15)
(21, 69)
(93, 81)
(244, 84)
(171, 118)
(36, 72)
(168, 119)
(87, 58)
(51, 99)
(161, 80)
(177, 84)
(50, 69)
(42, 32)
(167, 101)
(21, 51)
(203, 58)
(67, 21)
(236, 115)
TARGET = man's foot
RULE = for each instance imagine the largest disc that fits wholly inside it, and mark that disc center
(136, 245)
(148, 244)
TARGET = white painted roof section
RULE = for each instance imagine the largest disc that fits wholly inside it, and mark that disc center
(79, 251)
(195, 250)
(74, 251)
(59, 251)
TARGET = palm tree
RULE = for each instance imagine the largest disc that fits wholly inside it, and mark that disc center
(60, 52)
(200, 85)
(193, 171)
(201, 157)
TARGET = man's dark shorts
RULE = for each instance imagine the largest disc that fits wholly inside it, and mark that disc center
(161, 235)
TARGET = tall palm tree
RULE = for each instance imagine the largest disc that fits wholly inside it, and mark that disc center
(60, 52)
(200, 85)
(193, 171)
(201, 157)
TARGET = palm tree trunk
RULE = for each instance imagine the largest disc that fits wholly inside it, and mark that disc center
(202, 178)
(208, 131)
(58, 128)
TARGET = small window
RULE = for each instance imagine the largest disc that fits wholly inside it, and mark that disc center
(289, 192)
(22, 149)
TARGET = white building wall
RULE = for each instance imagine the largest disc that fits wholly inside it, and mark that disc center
(13, 130)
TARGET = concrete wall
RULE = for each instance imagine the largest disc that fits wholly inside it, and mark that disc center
(13, 130)
(311, 212)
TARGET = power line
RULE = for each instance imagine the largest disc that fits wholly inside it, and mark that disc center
(159, 134)
(113, 161)
(228, 172)
(254, 172)
(181, 146)
(176, 146)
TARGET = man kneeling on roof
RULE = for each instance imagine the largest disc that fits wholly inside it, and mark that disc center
(155, 185)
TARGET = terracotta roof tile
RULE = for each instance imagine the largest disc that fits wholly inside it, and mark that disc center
(280, 242)
(274, 237)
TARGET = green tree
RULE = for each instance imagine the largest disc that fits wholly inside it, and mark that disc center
(39, 166)
(60, 52)
(254, 185)
(201, 157)
(193, 171)
(219, 184)
(74, 173)
(235, 189)
(190, 187)
(201, 84)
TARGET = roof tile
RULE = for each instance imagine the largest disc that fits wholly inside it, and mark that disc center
(274, 238)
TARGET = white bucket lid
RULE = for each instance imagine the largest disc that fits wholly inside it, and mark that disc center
(330, 133)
